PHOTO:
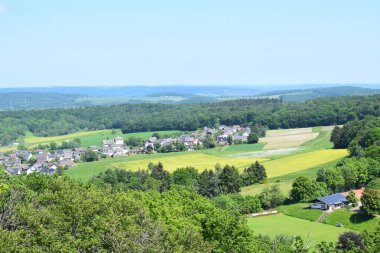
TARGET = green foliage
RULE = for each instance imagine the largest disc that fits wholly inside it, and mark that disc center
(305, 189)
(371, 201)
(187, 177)
(373, 152)
(238, 203)
(332, 177)
(158, 173)
(209, 183)
(259, 129)
(230, 180)
(253, 138)
(335, 136)
(364, 132)
(355, 172)
(254, 174)
(351, 198)
(209, 141)
(350, 241)
(157, 135)
(134, 141)
(55, 214)
(374, 184)
(53, 145)
(89, 156)
(271, 197)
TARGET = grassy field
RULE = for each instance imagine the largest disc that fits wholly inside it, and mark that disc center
(295, 163)
(90, 138)
(280, 139)
(300, 211)
(282, 224)
(256, 189)
(353, 220)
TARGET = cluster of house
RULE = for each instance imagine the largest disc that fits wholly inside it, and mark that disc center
(238, 134)
(25, 162)
(117, 146)
(335, 201)
(41, 161)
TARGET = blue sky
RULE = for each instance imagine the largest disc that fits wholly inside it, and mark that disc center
(122, 42)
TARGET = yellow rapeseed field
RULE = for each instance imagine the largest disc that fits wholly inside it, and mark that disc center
(197, 160)
(300, 162)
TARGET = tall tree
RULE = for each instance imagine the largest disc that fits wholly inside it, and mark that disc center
(371, 201)
(230, 180)
(158, 173)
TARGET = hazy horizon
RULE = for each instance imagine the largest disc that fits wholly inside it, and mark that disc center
(207, 43)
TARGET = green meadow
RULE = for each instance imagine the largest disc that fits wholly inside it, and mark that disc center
(273, 225)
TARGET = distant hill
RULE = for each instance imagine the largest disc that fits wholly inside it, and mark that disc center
(299, 95)
(31, 100)
(69, 97)
(144, 91)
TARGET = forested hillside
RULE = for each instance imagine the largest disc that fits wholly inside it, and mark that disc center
(153, 117)
(306, 94)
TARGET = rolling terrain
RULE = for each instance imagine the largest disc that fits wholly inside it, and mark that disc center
(308, 155)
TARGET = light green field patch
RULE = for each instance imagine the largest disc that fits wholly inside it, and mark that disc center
(301, 211)
(256, 189)
(281, 224)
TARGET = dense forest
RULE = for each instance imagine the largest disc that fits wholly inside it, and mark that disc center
(273, 113)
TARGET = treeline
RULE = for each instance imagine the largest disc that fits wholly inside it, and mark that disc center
(208, 183)
(273, 113)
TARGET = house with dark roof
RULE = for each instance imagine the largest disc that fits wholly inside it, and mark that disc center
(330, 202)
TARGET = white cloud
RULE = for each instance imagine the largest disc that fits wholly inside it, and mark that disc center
(2, 7)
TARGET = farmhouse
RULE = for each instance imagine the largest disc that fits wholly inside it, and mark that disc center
(330, 202)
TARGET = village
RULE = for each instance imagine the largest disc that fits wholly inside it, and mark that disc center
(50, 161)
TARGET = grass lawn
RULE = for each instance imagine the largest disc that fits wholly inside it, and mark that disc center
(353, 220)
(300, 211)
(282, 224)
(256, 189)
